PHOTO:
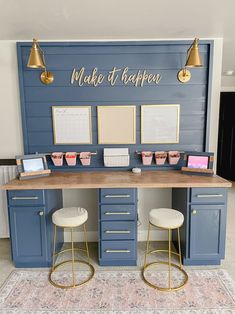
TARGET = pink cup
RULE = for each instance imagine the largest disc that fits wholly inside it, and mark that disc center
(174, 157)
(71, 158)
(147, 158)
(85, 158)
(160, 158)
(57, 158)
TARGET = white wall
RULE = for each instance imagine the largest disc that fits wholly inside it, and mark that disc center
(11, 139)
(11, 142)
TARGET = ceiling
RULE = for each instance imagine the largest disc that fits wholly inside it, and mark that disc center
(120, 19)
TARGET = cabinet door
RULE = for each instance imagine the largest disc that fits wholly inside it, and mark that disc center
(28, 235)
(207, 231)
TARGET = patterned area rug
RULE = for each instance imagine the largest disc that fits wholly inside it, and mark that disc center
(208, 291)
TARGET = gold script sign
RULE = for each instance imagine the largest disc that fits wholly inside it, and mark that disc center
(94, 78)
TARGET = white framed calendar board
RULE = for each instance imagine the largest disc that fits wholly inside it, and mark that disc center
(160, 124)
(72, 124)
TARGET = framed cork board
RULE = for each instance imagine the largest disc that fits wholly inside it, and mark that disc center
(116, 124)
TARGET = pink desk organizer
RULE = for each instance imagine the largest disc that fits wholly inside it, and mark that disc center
(173, 157)
(160, 158)
(147, 158)
(71, 158)
(57, 158)
(85, 158)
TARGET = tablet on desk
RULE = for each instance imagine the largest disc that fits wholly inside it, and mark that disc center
(32, 166)
(198, 163)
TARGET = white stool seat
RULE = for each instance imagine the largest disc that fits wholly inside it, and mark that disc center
(70, 217)
(166, 218)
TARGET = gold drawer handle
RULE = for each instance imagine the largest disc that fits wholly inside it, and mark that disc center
(208, 195)
(117, 196)
(117, 231)
(117, 251)
(25, 198)
(117, 213)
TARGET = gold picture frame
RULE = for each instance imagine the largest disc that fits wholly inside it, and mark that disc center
(160, 124)
(72, 125)
(116, 124)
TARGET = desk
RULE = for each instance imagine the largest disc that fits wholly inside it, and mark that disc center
(31, 203)
(117, 179)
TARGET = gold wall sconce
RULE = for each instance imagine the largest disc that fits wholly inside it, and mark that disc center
(193, 61)
(37, 61)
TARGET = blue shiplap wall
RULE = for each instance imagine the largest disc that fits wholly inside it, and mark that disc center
(165, 58)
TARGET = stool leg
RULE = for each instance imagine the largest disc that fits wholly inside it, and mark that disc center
(147, 246)
(87, 250)
(180, 260)
(53, 256)
(169, 256)
(72, 247)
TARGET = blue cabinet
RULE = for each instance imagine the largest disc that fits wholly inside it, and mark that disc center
(207, 232)
(31, 227)
(204, 229)
(117, 227)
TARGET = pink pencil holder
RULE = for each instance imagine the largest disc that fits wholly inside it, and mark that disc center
(85, 158)
(147, 158)
(57, 158)
(71, 158)
(160, 158)
(173, 157)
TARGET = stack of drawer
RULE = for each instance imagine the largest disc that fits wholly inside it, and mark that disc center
(117, 226)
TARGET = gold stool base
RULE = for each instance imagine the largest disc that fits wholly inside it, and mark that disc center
(163, 288)
(75, 284)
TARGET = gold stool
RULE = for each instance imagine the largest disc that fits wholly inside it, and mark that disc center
(70, 218)
(165, 219)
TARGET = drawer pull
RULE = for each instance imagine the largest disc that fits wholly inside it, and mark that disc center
(41, 213)
(208, 195)
(194, 211)
(117, 196)
(117, 251)
(24, 198)
(117, 213)
(117, 231)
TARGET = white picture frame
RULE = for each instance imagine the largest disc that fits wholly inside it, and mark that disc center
(160, 124)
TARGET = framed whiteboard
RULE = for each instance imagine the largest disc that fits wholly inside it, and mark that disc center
(160, 124)
(116, 124)
(72, 125)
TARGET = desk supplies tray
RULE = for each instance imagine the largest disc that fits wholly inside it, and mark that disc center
(116, 157)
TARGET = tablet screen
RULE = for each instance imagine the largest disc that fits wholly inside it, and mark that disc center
(200, 162)
(34, 164)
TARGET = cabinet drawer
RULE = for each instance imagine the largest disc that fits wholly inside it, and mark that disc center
(118, 212)
(208, 195)
(117, 196)
(26, 197)
(118, 230)
(118, 250)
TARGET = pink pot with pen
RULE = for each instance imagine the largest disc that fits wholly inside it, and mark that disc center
(147, 158)
(173, 157)
(85, 158)
(71, 158)
(160, 158)
(57, 158)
